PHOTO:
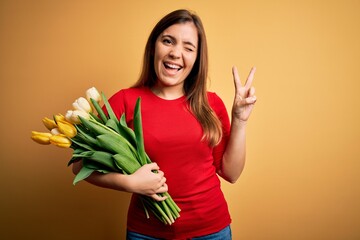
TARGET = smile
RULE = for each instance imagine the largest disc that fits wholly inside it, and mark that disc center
(172, 66)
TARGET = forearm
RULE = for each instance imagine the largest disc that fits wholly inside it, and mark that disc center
(233, 161)
(115, 181)
(234, 156)
(148, 180)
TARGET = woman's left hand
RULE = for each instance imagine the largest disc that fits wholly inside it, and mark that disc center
(244, 96)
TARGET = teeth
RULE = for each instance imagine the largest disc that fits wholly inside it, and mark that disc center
(173, 66)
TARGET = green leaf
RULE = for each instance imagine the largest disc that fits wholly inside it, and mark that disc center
(139, 132)
(82, 145)
(84, 129)
(108, 108)
(95, 166)
(83, 174)
(83, 154)
(111, 123)
(99, 110)
(72, 160)
(127, 132)
(127, 164)
(105, 159)
(103, 171)
(96, 117)
(95, 127)
(78, 150)
(87, 138)
(148, 160)
(114, 143)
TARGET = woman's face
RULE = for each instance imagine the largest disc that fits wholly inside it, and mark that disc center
(175, 54)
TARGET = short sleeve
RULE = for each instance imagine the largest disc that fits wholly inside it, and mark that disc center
(219, 108)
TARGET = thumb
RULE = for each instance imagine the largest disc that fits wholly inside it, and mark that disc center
(249, 100)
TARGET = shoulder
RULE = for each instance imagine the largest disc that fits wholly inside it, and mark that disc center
(124, 100)
(218, 106)
(212, 96)
(215, 101)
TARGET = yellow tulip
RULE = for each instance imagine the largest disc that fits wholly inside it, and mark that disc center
(41, 137)
(60, 141)
(59, 117)
(49, 123)
(66, 128)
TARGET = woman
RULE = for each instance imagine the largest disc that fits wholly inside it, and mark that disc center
(187, 134)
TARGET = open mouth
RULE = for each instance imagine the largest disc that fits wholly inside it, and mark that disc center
(172, 66)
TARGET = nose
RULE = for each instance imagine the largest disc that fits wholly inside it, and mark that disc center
(175, 52)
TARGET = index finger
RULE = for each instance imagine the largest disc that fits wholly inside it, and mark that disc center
(250, 78)
(236, 77)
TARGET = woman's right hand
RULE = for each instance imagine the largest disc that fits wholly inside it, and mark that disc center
(144, 181)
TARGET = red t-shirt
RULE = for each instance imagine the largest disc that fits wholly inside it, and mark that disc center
(172, 138)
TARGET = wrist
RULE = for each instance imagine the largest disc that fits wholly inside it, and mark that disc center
(123, 182)
(238, 122)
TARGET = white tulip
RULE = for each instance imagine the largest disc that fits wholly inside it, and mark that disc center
(82, 114)
(70, 117)
(73, 116)
(94, 94)
(82, 104)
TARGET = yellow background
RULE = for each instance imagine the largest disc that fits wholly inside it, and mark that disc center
(301, 180)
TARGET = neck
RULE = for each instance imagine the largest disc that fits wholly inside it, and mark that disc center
(168, 93)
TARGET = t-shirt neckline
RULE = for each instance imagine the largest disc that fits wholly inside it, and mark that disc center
(181, 98)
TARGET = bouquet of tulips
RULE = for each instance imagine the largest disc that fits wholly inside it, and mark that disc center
(105, 144)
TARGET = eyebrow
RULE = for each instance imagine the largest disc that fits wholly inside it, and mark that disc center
(186, 42)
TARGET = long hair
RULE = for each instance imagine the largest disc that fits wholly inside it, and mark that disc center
(195, 85)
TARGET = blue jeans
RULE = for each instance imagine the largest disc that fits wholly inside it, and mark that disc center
(224, 234)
